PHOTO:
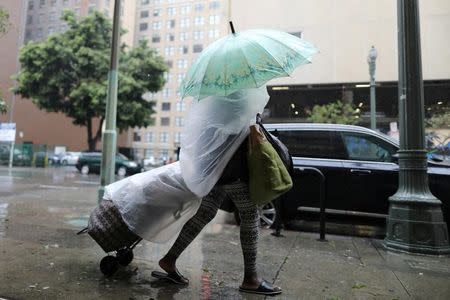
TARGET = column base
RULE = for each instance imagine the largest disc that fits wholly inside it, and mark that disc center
(416, 228)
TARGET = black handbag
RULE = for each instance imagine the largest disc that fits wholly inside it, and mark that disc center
(279, 147)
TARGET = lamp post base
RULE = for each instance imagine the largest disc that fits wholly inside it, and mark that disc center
(416, 228)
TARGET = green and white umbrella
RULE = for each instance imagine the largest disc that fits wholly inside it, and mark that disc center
(244, 60)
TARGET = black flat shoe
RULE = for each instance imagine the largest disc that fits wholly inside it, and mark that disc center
(174, 277)
(265, 288)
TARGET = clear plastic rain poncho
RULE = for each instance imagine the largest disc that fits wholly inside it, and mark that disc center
(214, 129)
(155, 204)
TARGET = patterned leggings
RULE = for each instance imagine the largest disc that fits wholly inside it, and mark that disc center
(249, 230)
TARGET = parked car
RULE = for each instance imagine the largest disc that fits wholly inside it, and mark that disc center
(360, 166)
(20, 157)
(90, 162)
(70, 158)
(54, 159)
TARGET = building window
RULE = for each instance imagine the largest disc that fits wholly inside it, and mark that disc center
(41, 3)
(182, 63)
(169, 63)
(165, 121)
(144, 14)
(156, 12)
(199, 21)
(156, 25)
(180, 77)
(170, 24)
(156, 38)
(28, 34)
(198, 7)
(177, 137)
(163, 137)
(76, 11)
(185, 9)
(180, 106)
(52, 2)
(171, 11)
(214, 20)
(167, 77)
(184, 49)
(213, 33)
(166, 93)
(148, 153)
(179, 121)
(170, 37)
(136, 137)
(149, 137)
(29, 19)
(184, 36)
(40, 33)
(184, 23)
(51, 30)
(91, 9)
(197, 48)
(65, 2)
(165, 106)
(214, 5)
(52, 16)
(31, 5)
(145, 2)
(163, 153)
(143, 26)
(198, 35)
(169, 51)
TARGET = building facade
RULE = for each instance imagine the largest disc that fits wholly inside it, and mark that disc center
(35, 20)
(179, 31)
(344, 31)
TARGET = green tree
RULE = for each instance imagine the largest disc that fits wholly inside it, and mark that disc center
(68, 73)
(4, 21)
(335, 112)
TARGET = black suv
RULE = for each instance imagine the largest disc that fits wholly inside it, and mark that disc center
(360, 166)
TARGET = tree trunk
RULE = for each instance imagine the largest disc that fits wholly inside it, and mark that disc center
(91, 141)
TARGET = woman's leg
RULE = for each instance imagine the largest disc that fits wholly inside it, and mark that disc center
(249, 230)
(206, 212)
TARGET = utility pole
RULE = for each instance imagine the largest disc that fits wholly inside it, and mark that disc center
(109, 135)
(415, 223)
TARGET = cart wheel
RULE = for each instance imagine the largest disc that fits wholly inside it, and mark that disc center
(124, 257)
(109, 265)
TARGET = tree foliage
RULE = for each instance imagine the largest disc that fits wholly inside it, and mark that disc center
(438, 117)
(335, 112)
(68, 73)
(3, 106)
(4, 21)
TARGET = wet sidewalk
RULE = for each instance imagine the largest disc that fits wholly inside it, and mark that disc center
(42, 258)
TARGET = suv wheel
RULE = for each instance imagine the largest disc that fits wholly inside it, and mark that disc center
(122, 171)
(64, 162)
(267, 215)
(84, 170)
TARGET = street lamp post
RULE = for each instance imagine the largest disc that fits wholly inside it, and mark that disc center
(371, 58)
(415, 223)
(109, 135)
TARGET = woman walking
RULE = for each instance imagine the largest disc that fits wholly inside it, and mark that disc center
(233, 184)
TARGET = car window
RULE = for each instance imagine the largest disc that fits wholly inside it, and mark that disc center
(312, 143)
(367, 147)
(122, 156)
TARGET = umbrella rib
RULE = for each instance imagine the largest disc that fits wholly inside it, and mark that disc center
(245, 56)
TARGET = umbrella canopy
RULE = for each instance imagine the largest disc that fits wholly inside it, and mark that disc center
(244, 60)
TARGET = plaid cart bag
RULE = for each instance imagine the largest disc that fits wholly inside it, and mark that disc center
(108, 229)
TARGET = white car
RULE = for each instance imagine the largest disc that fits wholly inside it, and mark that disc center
(70, 158)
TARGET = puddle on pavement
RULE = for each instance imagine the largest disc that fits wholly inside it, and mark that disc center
(78, 222)
(3, 218)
